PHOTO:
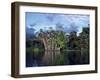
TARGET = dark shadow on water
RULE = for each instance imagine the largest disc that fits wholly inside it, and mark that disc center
(54, 58)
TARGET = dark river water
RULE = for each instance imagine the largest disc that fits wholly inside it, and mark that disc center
(54, 58)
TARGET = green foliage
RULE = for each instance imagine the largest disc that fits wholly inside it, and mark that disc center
(84, 40)
(60, 39)
(36, 50)
(28, 43)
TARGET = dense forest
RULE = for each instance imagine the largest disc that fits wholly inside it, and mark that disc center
(56, 47)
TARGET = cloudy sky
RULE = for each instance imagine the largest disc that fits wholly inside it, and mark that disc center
(70, 22)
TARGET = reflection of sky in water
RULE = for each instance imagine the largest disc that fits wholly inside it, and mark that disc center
(70, 22)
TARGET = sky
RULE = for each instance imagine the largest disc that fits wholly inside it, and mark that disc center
(69, 22)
